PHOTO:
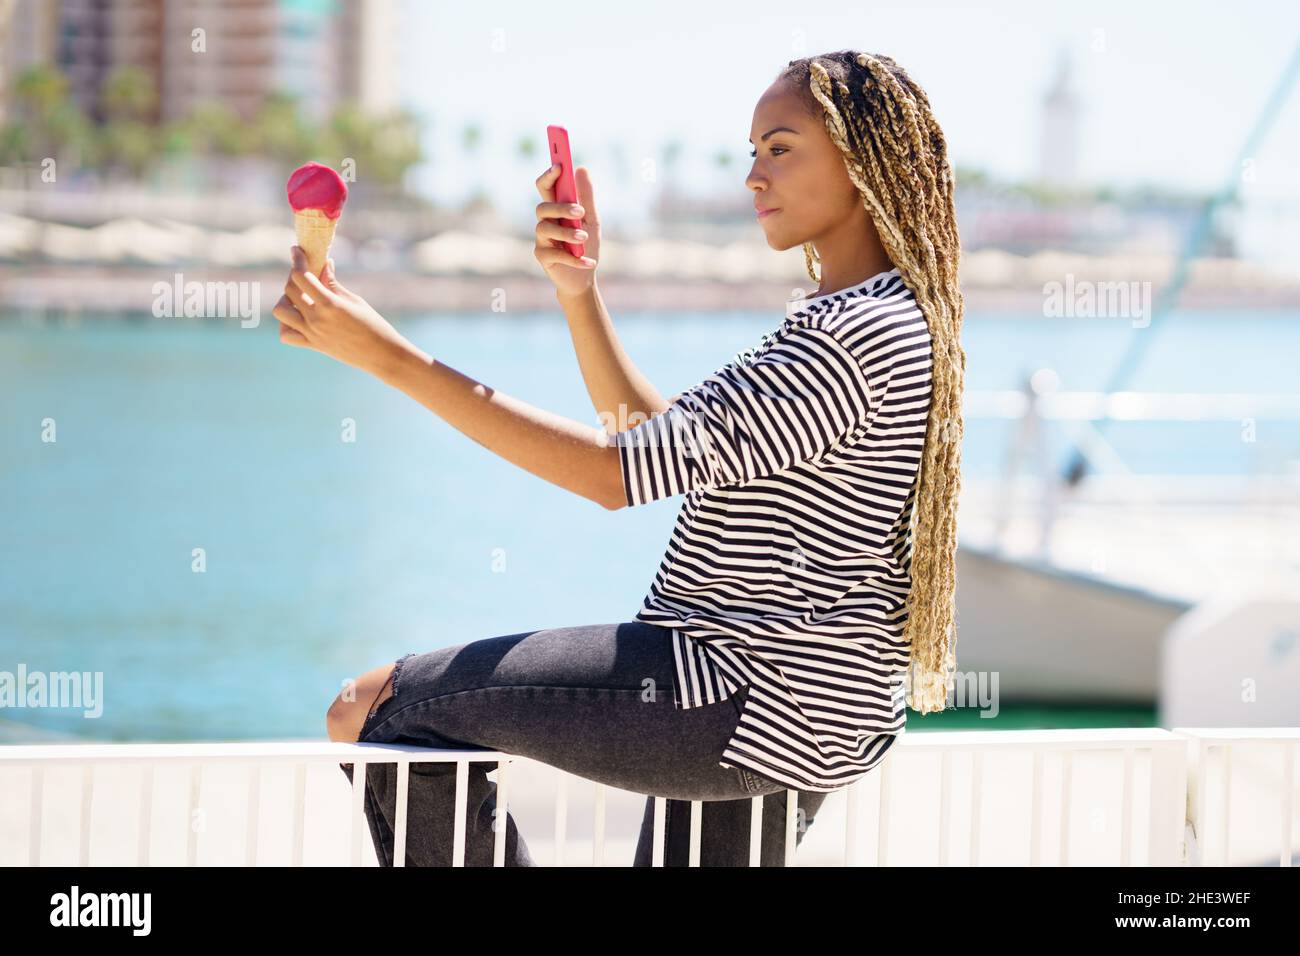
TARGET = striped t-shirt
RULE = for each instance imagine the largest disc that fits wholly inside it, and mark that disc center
(790, 561)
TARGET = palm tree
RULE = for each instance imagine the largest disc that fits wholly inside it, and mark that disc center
(212, 127)
(398, 146)
(129, 101)
(50, 123)
(280, 131)
(383, 147)
(471, 139)
(41, 89)
(526, 149)
(129, 93)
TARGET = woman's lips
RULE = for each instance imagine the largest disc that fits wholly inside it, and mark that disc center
(763, 214)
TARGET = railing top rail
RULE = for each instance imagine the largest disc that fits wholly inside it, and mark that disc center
(1240, 734)
(309, 751)
(1082, 738)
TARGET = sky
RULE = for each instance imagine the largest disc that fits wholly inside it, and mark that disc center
(1169, 90)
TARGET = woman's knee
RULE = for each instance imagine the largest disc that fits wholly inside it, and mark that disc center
(355, 702)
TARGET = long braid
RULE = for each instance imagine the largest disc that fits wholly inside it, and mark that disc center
(896, 157)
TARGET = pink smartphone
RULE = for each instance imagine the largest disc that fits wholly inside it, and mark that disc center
(566, 187)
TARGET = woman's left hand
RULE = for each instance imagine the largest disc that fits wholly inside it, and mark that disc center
(320, 314)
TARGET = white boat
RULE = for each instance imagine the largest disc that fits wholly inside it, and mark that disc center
(1076, 593)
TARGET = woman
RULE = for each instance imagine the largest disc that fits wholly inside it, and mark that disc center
(810, 575)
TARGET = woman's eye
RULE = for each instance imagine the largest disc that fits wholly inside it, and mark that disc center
(753, 153)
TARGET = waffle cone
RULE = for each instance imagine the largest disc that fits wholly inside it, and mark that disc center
(315, 233)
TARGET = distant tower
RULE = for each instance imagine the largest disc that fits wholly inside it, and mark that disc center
(367, 61)
(1059, 155)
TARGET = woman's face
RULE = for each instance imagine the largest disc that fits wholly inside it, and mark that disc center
(798, 172)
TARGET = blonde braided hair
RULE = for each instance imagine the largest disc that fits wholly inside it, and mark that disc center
(896, 156)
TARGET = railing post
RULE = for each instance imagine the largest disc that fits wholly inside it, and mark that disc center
(1168, 804)
(1036, 811)
(561, 815)
(882, 823)
(791, 825)
(756, 831)
(251, 819)
(697, 814)
(598, 828)
(851, 794)
(660, 827)
(299, 811)
(976, 804)
(191, 834)
(146, 815)
(38, 802)
(400, 809)
(359, 768)
(1067, 805)
(87, 805)
(458, 823)
(501, 822)
(1126, 820)
(1288, 799)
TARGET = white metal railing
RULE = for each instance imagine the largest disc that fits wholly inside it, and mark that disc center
(1174, 818)
(1261, 763)
(1166, 786)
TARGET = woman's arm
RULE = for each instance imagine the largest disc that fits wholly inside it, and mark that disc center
(623, 397)
(323, 315)
(558, 449)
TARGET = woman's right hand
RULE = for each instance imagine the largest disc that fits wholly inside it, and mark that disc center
(571, 275)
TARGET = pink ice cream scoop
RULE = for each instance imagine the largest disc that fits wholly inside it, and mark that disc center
(314, 186)
(316, 194)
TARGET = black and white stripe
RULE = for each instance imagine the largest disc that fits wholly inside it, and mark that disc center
(789, 564)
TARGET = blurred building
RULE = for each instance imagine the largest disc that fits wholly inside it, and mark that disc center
(28, 31)
(1010, 218)
(237, 52)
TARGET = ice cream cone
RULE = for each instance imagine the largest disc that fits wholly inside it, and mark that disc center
(315, 233)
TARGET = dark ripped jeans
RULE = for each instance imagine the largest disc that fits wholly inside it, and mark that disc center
(595, 701)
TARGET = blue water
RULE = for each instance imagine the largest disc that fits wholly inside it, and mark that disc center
(326, 558)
